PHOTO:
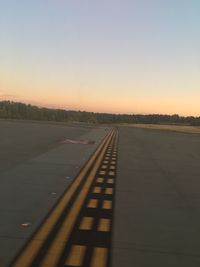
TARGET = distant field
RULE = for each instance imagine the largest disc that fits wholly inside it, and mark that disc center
(176, 128)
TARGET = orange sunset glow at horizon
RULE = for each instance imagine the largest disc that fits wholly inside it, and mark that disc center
(123, 57)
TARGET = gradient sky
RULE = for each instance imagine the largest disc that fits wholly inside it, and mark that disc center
(122, 56)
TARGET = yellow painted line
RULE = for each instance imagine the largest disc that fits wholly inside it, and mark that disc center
(93, 203)
(28, 256)
(100, 180)
(47, 262)
(86, 223)
(104, 225)
(111, 173)
(67, 226)
(99, 257)
(34, 246)
(110, 181)
(107, 204)
(76, 256)
(97, 190)
(109, 191)
(104, 166)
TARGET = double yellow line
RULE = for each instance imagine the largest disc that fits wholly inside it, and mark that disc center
(52, 256)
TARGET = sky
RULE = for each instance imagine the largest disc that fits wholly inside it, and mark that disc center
(115, 56)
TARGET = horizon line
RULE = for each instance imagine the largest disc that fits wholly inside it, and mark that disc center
(97, 112)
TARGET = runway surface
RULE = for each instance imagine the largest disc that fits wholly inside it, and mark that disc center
(130, 199)
(157, 208)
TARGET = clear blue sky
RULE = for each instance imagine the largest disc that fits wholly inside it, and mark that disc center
(111, 55)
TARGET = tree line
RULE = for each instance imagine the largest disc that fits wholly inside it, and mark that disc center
(17, 110)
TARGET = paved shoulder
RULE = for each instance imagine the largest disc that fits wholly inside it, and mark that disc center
(32, 185)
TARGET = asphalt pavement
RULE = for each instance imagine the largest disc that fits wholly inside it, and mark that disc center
(36, 167)
(157, 201)
(157, 190)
